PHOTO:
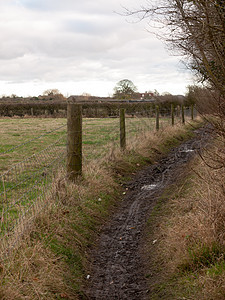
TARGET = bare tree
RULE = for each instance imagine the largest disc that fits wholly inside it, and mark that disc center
(51, 92)
(124, 89)
(196, 30)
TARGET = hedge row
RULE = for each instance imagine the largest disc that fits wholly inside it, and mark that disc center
(89, 109)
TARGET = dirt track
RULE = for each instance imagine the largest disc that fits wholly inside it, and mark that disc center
(117, 266)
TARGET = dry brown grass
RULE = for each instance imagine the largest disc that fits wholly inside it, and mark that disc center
(33, 273)
(191, 235)
(148, 146)
(204, 217)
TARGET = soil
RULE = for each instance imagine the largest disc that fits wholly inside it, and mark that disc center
(117, 263)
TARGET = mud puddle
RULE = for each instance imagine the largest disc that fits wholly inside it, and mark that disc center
(117, 269)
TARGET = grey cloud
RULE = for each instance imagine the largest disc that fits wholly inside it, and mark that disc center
(12, 49)
(88, 6)
(91, 26)
(73, 40)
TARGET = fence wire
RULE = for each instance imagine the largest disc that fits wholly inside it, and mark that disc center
(99, 137)
(24, 184)
(31, 140)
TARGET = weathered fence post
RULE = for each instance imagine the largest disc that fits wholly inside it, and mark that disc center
(192, 111)
(74, 141)
(178, 111)
(182, 113)
(122, 129)
(157, 117)
(172, 114)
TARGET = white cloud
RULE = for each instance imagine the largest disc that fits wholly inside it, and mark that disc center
(79, 46)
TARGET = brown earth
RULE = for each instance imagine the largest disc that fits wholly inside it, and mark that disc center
(117, 270)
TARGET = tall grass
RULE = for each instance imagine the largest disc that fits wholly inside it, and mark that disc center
(191, 234)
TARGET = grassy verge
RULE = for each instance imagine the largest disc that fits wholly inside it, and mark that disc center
(185, 246)
(52, 260)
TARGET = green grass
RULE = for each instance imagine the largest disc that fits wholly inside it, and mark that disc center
(201, 256)
(99, 135)
(15, 132)
(97, 132)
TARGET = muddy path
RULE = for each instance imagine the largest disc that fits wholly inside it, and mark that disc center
(117, 268)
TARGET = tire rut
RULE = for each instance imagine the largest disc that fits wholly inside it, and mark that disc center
(117, 269)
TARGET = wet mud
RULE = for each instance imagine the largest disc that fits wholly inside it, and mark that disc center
(117, 268)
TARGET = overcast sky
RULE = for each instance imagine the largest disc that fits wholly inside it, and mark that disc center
(80, 46)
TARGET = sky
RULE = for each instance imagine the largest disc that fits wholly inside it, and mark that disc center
(82, 46)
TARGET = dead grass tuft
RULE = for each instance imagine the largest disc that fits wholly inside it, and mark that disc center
(33, 273)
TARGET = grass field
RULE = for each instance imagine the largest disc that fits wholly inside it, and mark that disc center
(32, 148)
(15, 132)
(98, 136)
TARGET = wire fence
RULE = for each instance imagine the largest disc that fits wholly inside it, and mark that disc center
(25, 185)
(102, 135)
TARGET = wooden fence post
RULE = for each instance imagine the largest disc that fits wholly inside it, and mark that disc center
(192, 111)
(172, 114)
(74, 141)
(122, 129)
(150, 111)
(182, 112)
(157, 117)
(178, 111)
